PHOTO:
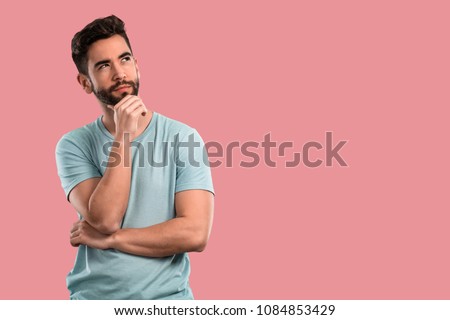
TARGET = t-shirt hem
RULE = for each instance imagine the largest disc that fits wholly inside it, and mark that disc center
(185, 187)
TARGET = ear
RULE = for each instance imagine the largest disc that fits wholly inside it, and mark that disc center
(85, 83)
(137, 67)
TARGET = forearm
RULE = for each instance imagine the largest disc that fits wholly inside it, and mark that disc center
(189, 231)
(109, 200)
(161, 240)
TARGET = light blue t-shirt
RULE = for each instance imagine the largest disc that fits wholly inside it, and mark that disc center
(168, 157)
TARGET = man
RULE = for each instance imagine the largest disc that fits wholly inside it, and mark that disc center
(139, 181)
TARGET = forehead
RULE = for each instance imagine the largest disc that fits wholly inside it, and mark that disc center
(107, 49)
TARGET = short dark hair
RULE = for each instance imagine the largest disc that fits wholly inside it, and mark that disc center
(98, 29)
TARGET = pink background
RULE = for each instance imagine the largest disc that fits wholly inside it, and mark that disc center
(375, 74)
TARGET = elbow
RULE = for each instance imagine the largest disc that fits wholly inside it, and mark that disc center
(199, 243)
(199, 237)
(104, 225)
(106, 219)
(107, 228)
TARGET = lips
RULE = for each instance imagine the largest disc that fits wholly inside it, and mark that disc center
(122, 88)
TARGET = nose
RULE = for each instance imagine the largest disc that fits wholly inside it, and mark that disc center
(119, 74)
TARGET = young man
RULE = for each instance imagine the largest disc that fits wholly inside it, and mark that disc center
(140, 182)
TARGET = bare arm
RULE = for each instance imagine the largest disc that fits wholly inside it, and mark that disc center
(103, 201)
(188, 231)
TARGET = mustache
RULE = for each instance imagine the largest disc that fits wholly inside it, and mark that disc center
(121, 83)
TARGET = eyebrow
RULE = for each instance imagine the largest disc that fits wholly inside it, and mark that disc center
(123, 55)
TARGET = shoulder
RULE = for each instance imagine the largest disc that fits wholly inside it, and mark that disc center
(78, 138)
(173, 127)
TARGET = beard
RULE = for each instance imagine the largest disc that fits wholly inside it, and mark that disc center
(106, 95)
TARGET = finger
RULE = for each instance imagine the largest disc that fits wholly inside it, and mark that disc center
(130, 110)
(141, 110)
(75, 242)
(75, 226)
(131, 103)
(137, 105)
(75, 233)
(124, 101)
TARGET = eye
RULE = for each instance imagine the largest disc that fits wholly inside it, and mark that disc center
(103, 66)
(125, 59)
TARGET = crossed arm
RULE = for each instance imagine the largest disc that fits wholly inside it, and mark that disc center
(188, 231)
(102, 203)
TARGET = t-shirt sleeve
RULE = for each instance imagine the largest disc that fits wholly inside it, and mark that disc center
(193, 169)
(73, 165)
